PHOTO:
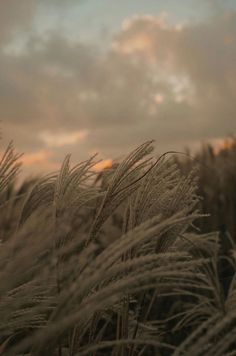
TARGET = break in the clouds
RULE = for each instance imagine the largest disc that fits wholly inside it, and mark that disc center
(173, 82)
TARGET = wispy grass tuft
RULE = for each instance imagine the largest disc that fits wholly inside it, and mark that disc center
(68, 287)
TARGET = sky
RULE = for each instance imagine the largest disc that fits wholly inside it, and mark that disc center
(86, 76)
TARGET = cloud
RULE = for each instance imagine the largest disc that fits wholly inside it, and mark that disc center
(200, 58)
(106, 163)
(38, 163)
(176, 84)
(38, 157)
(62, 139)
(15, 16)
(220, 144)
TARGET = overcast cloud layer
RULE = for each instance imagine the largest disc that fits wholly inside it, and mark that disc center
(175, 83)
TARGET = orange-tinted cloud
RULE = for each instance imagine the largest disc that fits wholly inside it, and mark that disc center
(60, 88)
(147, 35)
(41, 159)
(223, 144)
(36, 157)
(138, 43)
(106, 163)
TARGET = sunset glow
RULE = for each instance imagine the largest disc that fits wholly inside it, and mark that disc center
(223, 145)
(80, 76)
(39, 157)
(139, 43)
(118, 177)
(39, 162)
(106, 163)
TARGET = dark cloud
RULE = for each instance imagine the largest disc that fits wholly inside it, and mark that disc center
(15, 16)
(171, 83)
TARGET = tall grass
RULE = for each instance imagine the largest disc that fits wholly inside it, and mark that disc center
(70, 286)
(217, 180)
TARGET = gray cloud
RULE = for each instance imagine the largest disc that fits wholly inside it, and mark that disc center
(176, 85)
(15, 16)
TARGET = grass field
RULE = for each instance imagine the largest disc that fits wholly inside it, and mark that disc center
(125, 262)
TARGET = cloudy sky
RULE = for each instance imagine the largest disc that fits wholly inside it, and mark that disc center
(85, 76)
